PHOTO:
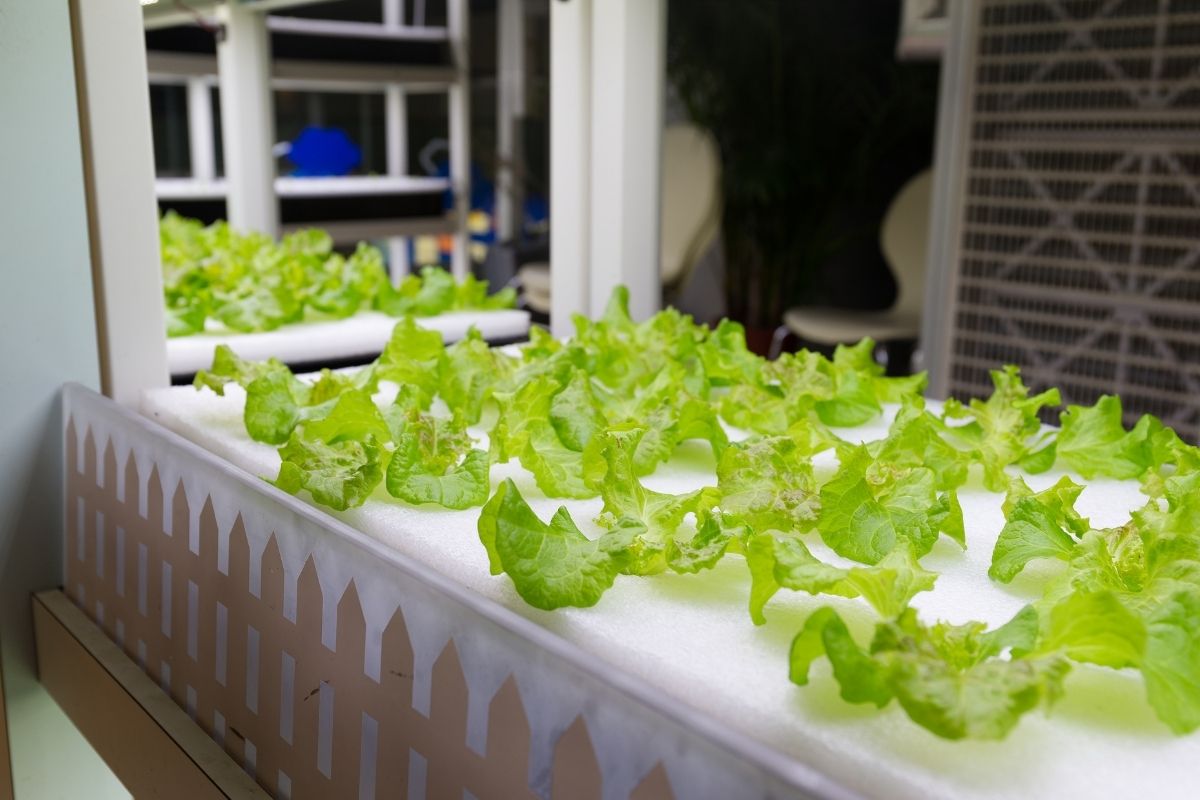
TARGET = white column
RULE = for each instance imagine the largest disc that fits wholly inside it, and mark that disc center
(460, 133)
(510, 106)
(398, 262)
(247, 119)
(200, 130)
(118, 168)
(951, 150)
(393, 13)
(628, 46)
(395, 128)
(570, 154)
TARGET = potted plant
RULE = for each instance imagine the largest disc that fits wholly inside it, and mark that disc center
(810, 111)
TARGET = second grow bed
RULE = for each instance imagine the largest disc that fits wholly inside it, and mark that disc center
(361, 336)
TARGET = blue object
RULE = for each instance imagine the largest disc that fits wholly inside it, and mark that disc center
(319, 152)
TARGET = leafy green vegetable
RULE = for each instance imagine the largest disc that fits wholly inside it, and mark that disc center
(249, 283)
(596, 413)
(1094, 627)
(433, 461)
(844, 392)
(551, 565)
(860, 387)
(768, 483)
(1093, 441)
(715, 536)
(459, 486)
(1130, 597)
(412, 357)
(915, 440)
(869, 506)
(338, 459)
(1002, 430)
(524, 430)
(1041, 525)
(777, 561)
(469, 373)
(574, 413)
(950, 679)
(276, 401)
(645, 521)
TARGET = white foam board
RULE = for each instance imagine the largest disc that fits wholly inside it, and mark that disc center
(364, 334)
(691, 638)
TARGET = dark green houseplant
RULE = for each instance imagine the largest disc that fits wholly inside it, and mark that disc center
(813, 118)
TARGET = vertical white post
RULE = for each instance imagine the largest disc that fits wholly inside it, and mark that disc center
(200, 130)
(570, 156)
(118, 169)
(460, 133)
(395, 131)
(510, 106)
(393, 13)
(628, 57)
(395, 128)
(398, 262)
(247, 118)
(951, 151)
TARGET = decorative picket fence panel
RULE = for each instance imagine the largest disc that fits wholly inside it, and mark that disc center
(269, 632)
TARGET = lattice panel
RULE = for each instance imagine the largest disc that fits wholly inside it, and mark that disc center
(1079, 241)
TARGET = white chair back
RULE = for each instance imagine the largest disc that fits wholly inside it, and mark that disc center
(691, 199)
(904, 239)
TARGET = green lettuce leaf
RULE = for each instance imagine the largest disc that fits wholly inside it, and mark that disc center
(434, 463)
(469, 373)
(778, 561)
(276, 400)
(524, 430)
(768, 483)
(1041, 525)
(551, 565)
(1003, 429)
(1094, 442)
(868, 507)
(339, 459)
(914, 440)
(645, 521)
(412, 357)
(950, 679)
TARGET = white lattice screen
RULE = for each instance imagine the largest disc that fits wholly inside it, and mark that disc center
(1076, 245)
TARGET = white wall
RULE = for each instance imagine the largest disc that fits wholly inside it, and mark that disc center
(47, 336)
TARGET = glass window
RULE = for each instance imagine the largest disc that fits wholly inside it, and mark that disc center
(428, 133)
(425, 12)
(169, 122)
(219, 158)
(344, 10)
(340, 120)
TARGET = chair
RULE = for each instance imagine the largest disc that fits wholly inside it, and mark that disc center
(903, 237)
(691, 213)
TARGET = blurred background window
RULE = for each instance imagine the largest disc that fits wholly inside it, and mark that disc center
(168, 116)
(358, 116)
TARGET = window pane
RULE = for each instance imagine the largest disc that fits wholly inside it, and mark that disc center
(169, 122)
(428, 133)
(425, 12)
(219, 145)
(350, 10)
(359, 116)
